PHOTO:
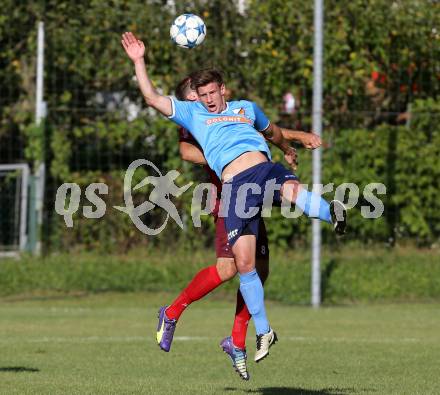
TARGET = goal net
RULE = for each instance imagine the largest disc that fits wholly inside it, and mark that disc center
(14, 181)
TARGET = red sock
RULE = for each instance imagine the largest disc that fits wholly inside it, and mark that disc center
(203, 283)
(241, 322)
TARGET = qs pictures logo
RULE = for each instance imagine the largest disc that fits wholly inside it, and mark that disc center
(164, 187)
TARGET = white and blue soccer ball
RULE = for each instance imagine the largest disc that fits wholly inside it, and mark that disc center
(188, 31)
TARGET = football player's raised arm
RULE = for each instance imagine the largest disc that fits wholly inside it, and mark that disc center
(270, 131)
(274, 134)
(308, 140)
(135, 50)
(191, 153)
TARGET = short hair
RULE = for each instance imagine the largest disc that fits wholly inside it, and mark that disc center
(204, 77)
(181, 88)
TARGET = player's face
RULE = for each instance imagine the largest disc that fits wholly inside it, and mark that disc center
(212, 96)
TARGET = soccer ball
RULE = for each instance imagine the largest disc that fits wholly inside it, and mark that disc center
(188, 31)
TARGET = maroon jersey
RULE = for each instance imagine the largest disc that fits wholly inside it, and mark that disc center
(187, 137)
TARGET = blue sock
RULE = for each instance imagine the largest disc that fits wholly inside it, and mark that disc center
(253, 294)
(314, 205)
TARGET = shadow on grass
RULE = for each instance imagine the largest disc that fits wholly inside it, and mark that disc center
(325, 277)
(297, 391)
(17, 369)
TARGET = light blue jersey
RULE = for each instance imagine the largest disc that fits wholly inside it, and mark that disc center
(224, 136)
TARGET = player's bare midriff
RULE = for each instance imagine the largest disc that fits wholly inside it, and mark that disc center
(242, 163)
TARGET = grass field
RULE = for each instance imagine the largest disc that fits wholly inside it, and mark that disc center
(104, 344)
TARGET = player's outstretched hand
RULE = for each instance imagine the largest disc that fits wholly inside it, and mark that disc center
(134, 48)
(311, 140)
(291, 158)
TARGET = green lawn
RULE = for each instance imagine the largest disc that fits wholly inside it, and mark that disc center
(104, 344)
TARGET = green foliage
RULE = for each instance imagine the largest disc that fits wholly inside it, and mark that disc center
(376, 277)
(349, 275)
(35, 136)
(402, 158)
(91, 134)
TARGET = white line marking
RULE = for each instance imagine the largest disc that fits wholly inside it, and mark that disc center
(146, 339)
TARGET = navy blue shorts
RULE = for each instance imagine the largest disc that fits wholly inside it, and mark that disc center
(243, 213)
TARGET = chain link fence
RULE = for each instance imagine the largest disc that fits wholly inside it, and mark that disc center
(381, 111)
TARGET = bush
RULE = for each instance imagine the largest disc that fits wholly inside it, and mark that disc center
(348, 276)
